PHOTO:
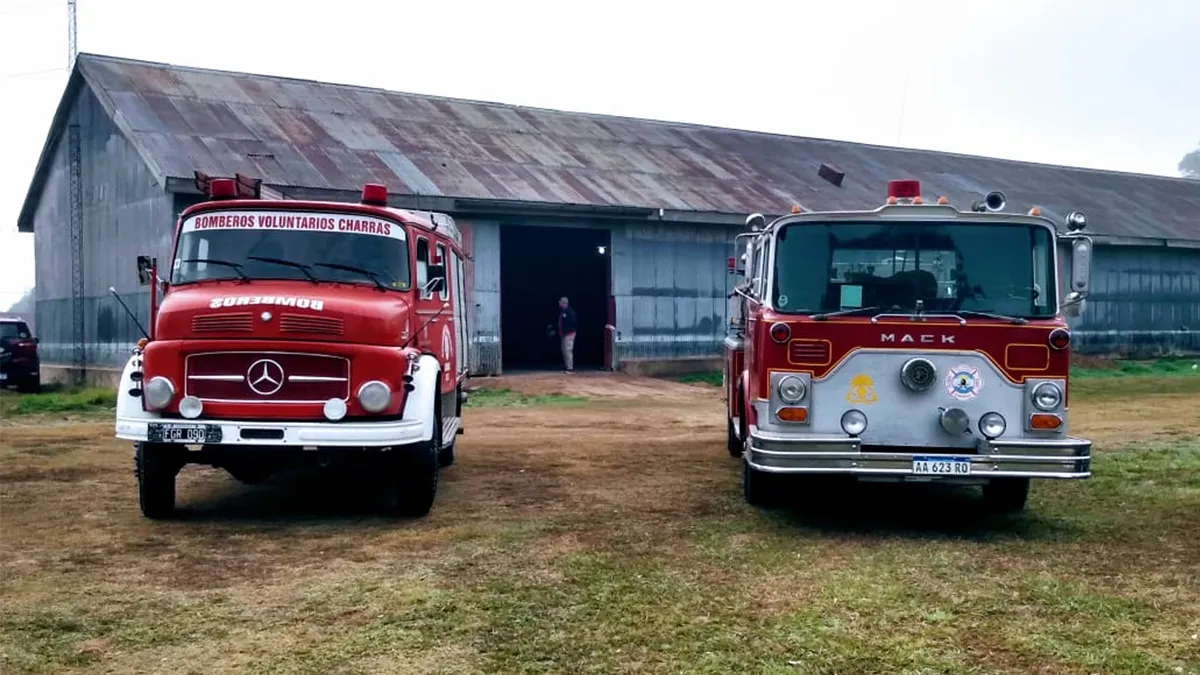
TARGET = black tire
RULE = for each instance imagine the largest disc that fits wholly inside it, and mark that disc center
(732, 443)
(760, 488)
(30, 385)
(1006, 495)
(446, 455)
(156, 465)
(414, 476)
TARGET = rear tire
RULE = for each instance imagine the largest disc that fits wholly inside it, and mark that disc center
(31, 384)
(156, 466)
(1006, 495)
(446, 455)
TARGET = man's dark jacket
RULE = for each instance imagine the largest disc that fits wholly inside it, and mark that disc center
(566, 321)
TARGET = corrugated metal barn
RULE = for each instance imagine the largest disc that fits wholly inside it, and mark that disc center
(631, 218)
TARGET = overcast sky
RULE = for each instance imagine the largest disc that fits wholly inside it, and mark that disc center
(1094, 83)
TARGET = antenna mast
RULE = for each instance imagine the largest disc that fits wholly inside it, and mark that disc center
(72, 35)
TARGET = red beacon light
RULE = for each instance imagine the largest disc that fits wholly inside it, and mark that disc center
(903, 189)
(374, 194)
(222, 188)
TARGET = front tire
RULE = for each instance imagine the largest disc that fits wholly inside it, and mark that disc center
(732, 443)
(414, 476)
(1006, 495)
(760, 488)
(156, 467)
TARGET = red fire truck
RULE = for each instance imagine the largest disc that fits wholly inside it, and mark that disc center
(300, 331)
(913, 342)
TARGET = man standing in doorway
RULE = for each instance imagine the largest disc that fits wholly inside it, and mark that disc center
(566, 333)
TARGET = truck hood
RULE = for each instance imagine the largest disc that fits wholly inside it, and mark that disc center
(284, 310)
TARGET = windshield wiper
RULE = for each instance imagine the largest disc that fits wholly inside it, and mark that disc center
(845, 312)
(350, 268)
(280, 261)
(236, 267)
(984, 314)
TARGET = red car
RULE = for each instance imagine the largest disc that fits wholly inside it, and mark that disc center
(20, 366)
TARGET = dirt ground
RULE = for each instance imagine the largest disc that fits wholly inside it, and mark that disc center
(527, 528)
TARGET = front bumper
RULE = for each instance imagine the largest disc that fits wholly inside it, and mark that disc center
(1064, 458)
(290, 434)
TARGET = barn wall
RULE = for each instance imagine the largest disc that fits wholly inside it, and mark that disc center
(484, 285)
(125, 213)
(670, 285)
(1144, 301)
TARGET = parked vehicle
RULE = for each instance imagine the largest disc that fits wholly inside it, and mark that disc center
(849, 355)
(20, 364)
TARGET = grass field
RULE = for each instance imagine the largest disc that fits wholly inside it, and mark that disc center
(595, 525)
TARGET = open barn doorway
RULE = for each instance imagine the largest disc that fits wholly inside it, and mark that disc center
(539, 265)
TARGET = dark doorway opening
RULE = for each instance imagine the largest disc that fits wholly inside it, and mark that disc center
(539, 265)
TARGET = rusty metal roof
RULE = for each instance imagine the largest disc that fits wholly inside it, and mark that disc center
(295, 133)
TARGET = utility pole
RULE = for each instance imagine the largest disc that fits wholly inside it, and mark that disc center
(72, 36)
(75, 178)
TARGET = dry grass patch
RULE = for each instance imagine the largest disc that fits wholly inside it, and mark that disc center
(602, 538)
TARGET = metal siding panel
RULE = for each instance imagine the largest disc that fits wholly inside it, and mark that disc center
(485, 341)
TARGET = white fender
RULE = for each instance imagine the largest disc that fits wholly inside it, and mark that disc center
(129, 408)
(420, 402)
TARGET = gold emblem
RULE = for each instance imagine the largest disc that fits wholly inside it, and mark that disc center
(862, 390)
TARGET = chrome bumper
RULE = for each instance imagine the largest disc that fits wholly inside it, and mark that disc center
(292, 434)
(841, 455)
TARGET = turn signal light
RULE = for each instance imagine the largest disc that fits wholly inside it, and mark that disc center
(1045, 421)
(793, 414)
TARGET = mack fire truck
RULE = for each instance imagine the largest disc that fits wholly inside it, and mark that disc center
(913, 342)
(294, 332)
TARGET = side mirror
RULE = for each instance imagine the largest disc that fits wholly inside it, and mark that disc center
(1081, 264)
(145, 265)
(436, 278)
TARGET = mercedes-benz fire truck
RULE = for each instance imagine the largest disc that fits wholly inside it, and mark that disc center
(913, 342)
(300, 331)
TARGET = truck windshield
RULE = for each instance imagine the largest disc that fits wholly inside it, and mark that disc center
(301, 245)
(999, 268)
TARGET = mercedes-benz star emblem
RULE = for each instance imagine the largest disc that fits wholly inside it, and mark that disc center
(265, 377)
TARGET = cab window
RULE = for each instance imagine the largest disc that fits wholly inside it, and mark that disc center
(442, 260)
(422, 265)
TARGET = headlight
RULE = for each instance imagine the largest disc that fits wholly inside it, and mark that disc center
(992, 425)
(918, 374)
(1047, 396)
(791, 389)
(374, 396)
(854, 422)
(158, 392)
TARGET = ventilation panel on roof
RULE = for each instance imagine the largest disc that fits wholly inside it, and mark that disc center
(831, 174)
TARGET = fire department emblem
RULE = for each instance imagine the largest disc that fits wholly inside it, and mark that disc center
(447, 351)
(862, 390)
(265, 377)
(963, 382)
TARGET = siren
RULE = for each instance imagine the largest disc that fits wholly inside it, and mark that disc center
(903, 189)
(222, 188)
(374, 194)
(993, 201)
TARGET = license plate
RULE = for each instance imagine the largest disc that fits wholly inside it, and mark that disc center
(157, 432)
(941, 466)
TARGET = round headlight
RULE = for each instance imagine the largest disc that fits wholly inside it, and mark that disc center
(955, 420)
(158, 392)
(1047, 396)
(791, 389)
(854, 422)
(917, 374)
(190, 407)
(374, 396)
(992, 425)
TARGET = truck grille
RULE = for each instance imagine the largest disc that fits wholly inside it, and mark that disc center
(270, 377)
(301, 323)
(236, 322)
(808, 352)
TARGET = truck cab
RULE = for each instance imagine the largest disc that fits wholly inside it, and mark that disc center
(300, 332)
(912, 342)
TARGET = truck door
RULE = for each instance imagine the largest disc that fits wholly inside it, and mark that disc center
(459, 306)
